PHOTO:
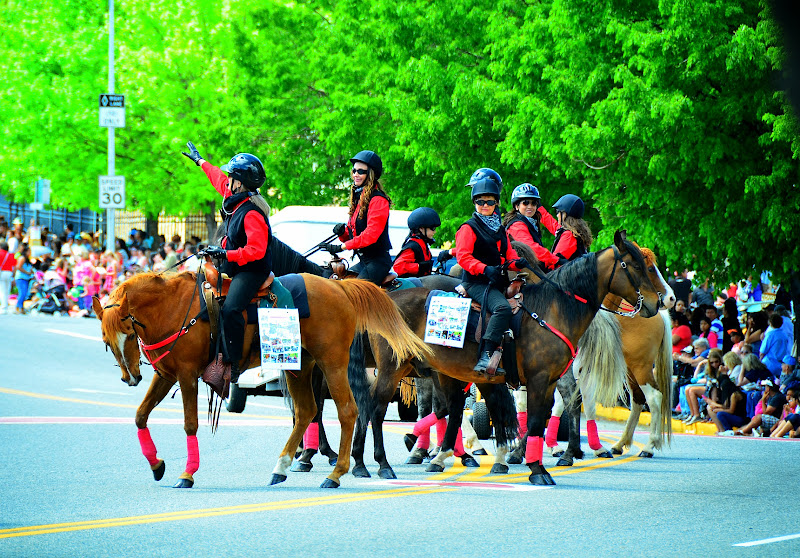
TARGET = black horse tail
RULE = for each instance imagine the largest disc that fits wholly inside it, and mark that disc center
(357, 378)
(503, 411)
(287, 398)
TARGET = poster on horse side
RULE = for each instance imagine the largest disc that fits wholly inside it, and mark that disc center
(447, 321)
(279, 332)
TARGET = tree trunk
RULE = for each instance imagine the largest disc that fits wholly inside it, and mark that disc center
(151, 228)
(211, 221)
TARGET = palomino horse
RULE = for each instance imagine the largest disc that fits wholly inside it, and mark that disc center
(645, 342)
(149, 308)
(545, 348)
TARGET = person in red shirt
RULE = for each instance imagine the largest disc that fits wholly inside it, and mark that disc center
(367, 230)
(7, 264)
(245, 252)
(415, 259)
(484, 251)
(522, 223)
(573, 235)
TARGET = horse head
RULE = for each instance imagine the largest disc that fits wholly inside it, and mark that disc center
(629, 277)
(665, 292)
(119, 336)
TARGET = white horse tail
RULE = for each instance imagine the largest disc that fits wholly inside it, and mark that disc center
(603, 369)
(663, 376)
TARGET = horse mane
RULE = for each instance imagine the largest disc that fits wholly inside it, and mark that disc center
(525, 251)
(578, 277)
(648, 255)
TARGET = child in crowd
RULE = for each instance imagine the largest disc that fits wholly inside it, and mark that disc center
(791, 423)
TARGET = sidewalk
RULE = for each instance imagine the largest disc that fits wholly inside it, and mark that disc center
(621, 414)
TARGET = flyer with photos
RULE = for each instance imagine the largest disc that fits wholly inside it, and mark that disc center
(279, 330)
(447, 321)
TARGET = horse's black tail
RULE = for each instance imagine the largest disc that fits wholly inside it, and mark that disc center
(503, 411)
(287, 398)
(357, 377)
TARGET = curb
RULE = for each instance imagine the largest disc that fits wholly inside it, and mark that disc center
(621, 414)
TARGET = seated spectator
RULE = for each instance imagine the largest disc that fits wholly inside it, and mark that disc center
(732, 411)
(790, 424)
(709, 333)
(789, 372)
(776, 344)
(772, 402)
(704, 387)
(716, 325)
(681, 332)
(752, 373)
(730, 323)
(731, 365)
(737, 338)
(682, 360)
(787, 325)
(756, 326)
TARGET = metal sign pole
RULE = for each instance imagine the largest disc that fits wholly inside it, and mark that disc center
(110, 225)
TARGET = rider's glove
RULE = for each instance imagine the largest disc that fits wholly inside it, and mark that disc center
(330, 247)
(443, 256)
(216, 252)
(339, 229)
(425, 267)
(193, 154)
(521, 263)
(494, 275)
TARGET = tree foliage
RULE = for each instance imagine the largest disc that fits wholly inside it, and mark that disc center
(663, 115)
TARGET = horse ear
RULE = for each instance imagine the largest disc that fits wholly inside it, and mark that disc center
(123, 305)
(97, 307)
(619, 239)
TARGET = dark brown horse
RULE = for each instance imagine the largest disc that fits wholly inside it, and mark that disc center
(149, 308)
(557, 313)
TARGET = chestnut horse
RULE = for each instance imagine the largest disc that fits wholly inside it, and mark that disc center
(149, 308)
(545, 348)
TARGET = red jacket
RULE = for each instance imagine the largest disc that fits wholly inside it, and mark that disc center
(465, 246)
(377, 220)
(255, 227)
(406, 264)
(519, 231)
(7, 261)
(567, 244)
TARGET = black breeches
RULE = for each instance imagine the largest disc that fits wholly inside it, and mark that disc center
(244, 287)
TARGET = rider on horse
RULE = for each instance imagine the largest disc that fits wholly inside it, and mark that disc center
(484, 251)
(415, 259)
(245, 250)
(523, 223)
(573, 235)
(367, 231)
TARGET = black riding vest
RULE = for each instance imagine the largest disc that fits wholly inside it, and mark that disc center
(485, 250)
(234, 232)
(419, 247)
(532, 229)
(580, 249)
(382, 245)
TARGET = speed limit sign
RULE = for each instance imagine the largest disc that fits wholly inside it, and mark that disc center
(112, 192)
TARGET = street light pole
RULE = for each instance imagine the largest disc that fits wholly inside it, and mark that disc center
(110, 212)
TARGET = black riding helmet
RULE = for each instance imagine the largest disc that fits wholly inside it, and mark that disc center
(486, 173)
(247, 169)
(423, 218)
(371, 159)
(485, 186)
(570, 204)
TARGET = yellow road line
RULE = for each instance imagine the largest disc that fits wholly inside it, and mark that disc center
(215, 512)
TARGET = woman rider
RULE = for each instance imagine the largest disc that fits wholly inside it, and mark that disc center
(573, 235)
(484, 250)
(367, 231)
(522, 223)
(415, 259)
(245, 251)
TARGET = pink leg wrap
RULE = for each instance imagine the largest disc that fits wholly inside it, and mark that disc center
(148, 447)
(424, 439)
(311, 437)
(533, 449)
(193, 459)
(441, 426)
(551, 438)
(522, 419)
(459, 450)
(591, 433)
(424, 424)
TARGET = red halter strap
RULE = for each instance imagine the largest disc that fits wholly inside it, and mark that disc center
(573, 351)
(174, 337)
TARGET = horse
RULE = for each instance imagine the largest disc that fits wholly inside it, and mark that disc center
(149, 307)
(545, 348)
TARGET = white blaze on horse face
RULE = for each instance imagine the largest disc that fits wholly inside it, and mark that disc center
(668, 298)
(120, 349)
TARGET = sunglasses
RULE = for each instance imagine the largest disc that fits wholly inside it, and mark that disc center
(490, 203)
(528, 202)
(359, 171)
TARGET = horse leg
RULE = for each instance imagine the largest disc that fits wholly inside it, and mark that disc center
(521, 400)
(158, 390)
(551, 438)
(503, 412)
(188, 383)
(303, 463)
(540, 396)
(627, 435)
(325, 446)
(359, 442)
(653, 397)
(305, 408)
(567, 391)
(471, 438)
(385, 470)
(449, 400)
(591, 426)
(420, 438)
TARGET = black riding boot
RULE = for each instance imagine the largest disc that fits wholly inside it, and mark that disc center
(235, 373)
(483, 361)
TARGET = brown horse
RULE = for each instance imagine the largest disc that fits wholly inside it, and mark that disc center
(545, 347)
(149, 308)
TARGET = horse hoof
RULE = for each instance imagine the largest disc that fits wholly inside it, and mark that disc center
(410, 440)
(480, 451)
(329, 483)
(184, 483)
(276, 478)
(433, 468)
(558, 453)
(564, 462)
(538, 479)
(499, 469)
(413, 460)
(514, 459)
(158, 472)
(301, 467)
(387, 473)
(469, 461)
(332, 460)
(605, 455)
(616, 451)
(359, 471)
(549, 480)
(643, 454)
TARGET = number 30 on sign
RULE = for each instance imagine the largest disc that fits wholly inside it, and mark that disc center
(112, 192)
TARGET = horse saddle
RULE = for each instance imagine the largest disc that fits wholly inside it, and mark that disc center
(513, 294)
(340, 271)
(212, 280)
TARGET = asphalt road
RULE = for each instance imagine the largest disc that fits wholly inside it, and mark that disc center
(73, 481)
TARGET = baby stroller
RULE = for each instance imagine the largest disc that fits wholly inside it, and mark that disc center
(51, 300)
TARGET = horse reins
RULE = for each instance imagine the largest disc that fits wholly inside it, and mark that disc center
(640, 298)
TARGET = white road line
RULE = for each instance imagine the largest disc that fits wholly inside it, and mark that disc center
(81, 390)
(770, 541)
(73, 334)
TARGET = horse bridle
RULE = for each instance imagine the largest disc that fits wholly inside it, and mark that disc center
(640, 297)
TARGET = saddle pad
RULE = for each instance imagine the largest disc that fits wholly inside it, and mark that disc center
(291, 293)
(406, 283)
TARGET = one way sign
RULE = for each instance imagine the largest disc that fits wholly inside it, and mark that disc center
(112, 111)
